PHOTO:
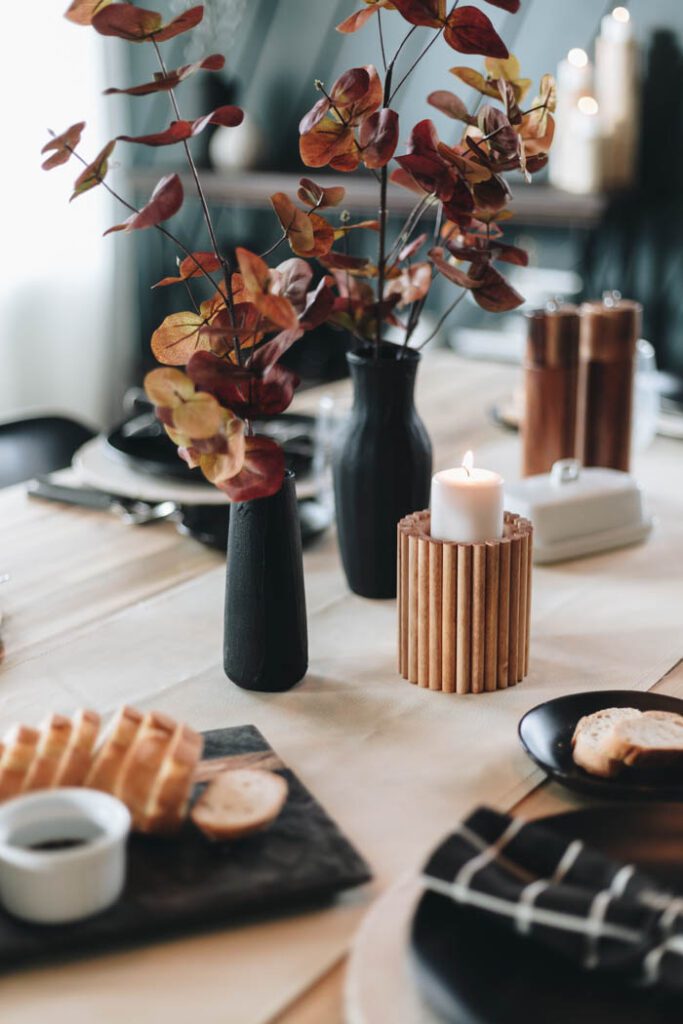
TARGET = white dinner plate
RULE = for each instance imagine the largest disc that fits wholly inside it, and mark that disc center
(96, 466)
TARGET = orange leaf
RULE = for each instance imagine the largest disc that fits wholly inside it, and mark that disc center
(262, 472)
(188, 268)
(315, 195)
(295, 223)
(82, 12)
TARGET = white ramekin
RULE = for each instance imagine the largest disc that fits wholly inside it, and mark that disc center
(52, 887)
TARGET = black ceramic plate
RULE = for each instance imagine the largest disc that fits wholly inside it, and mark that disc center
(546, 733)
(158, 456)
(474, 972)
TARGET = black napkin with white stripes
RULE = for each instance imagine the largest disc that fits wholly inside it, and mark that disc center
(601, 915)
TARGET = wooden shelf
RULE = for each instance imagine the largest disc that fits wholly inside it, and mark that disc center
(535, 205)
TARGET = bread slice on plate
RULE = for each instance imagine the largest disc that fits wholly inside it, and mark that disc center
(55, 734)
(19, 752)
(143, 762)
(239, 802)
(169, 797)
(652, 740)
(77, 758)
(106, 765)
(591, 743)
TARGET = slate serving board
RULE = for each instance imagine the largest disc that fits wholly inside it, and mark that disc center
(188, 884)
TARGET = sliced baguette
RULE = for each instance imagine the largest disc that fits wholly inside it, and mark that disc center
(77, 758)
(170, 794)
(55, 734)
(107, 762)
(142, 764)
(239, 802)
(19, 752)
(653, 740)
(591, 743)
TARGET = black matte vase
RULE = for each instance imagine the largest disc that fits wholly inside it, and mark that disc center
(265, 645)
(382, 467)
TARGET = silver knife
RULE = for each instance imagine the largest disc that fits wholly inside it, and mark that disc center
(131, 510)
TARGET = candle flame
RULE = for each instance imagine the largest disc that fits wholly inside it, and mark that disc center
(468, 462)
(577, 57)
(621, 14)
(588, 105)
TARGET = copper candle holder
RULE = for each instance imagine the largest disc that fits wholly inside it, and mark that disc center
(463, 609)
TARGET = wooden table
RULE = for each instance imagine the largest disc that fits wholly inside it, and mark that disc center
(97, 612)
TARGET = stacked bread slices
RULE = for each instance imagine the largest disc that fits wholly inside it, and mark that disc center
(612, 739)
(148, 761)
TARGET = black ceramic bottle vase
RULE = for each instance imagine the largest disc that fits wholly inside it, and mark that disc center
(382, 467)
(265, 644)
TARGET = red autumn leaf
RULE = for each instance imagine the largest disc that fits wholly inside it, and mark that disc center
(248, 393)
(451, 272)
(165, 201)
(187, 268)
(318, 306)
(499, 133)
(178, 131)
(95, 173)
(468, 30)
(491, 195)
(318, 196)
(63, 146)
(507, 5)
(344, 261)
(402, 177)
(314, 116)
(221, 329)
(450, 105)
(267, 356)
(378, 138)
(165, 82)
(137, 25)
(356, 20)
(495, 294)
(262, 473)
(431, 13)
(509, 254)
(82, 12)
(357, 93)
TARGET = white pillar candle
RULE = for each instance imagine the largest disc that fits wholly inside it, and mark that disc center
(583, 173)
(467, 504)
(616, 90)
(574, 79)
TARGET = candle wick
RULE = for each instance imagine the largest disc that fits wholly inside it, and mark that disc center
(466, 468)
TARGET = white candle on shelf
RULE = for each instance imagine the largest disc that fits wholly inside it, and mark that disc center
(467, 504)
(583, 172)
(574, 79)
(616, 90)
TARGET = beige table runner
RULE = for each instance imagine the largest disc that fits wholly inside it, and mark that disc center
(394, 765)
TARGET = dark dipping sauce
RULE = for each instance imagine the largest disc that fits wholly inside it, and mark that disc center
(53, 845)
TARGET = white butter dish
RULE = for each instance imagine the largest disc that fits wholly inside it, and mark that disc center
(579, 511)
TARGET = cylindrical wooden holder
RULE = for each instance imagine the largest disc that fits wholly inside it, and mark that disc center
(463, 609)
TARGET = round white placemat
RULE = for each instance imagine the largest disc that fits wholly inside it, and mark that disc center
(379, 984)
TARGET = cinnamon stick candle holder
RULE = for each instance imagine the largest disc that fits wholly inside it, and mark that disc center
(463, 609)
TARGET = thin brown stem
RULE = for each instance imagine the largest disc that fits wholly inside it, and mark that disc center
(223, 260)
(417, 60)
(164, 231)
(441, 321)
(381, 39)
(383, 213)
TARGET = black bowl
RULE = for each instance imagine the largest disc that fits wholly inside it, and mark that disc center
(546, 734)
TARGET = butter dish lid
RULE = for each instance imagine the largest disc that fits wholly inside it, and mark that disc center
(579, 510)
